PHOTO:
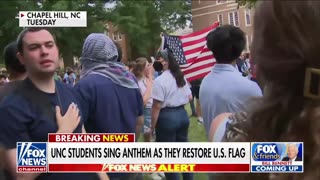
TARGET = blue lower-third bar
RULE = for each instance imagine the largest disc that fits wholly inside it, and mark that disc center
(279, 169)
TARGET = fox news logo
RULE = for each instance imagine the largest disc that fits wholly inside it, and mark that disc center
(31, 157)
(266, 152)
(277, 157)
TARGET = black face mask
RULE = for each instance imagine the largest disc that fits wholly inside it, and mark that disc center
(157, 66)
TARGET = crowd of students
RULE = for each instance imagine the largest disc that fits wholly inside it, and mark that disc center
(283, 106)
(157, 98)
(38, 103)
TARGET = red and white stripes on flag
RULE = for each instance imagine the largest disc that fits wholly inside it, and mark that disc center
(191, 52)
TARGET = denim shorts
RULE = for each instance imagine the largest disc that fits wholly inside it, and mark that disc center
(147, 120)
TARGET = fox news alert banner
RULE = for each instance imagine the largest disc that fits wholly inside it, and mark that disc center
(119, 153)
(277, 157)
(53, 19)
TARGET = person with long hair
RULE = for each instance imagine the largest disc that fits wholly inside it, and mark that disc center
(170, 93)
(287, 55)
(144, 75)
(144, 72)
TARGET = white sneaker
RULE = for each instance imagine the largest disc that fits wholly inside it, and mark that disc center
(155, 176)
(161, 174)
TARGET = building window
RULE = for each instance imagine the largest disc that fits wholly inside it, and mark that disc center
(220, 19)
(231, 21)
(119, 36)
(115, 37)
(234, 18)
(247, 17)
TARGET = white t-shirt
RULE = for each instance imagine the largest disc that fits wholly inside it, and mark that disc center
(143, 88)
(165, 89)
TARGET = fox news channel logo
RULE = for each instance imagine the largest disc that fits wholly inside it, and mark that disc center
(277, 157)
(31, 157)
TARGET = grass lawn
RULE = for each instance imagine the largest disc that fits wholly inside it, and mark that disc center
(196, 134)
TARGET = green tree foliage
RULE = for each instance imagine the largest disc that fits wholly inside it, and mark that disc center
(69, 39)
(9, 24)
(143, 21)
(249, 3)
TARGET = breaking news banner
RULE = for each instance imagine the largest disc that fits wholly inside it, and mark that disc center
(119, 153)
(277, 157)
(52, 19)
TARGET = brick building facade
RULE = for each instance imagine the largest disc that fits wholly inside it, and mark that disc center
(206, 12)
(119, 37)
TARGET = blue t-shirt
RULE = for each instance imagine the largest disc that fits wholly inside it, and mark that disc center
(29, 118)
(237, 92)
(110, 108)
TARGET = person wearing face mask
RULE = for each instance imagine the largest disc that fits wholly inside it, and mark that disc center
(158, 68)
(170, 93)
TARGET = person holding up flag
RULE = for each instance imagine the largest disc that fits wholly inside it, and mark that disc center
(191, 53)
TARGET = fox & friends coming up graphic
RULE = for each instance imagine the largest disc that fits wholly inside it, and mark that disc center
(31, 157)
(277, 157)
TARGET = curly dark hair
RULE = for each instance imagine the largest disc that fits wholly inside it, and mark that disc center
(284, 46)
(226, 43)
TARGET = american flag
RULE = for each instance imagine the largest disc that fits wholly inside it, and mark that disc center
(191, 52)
